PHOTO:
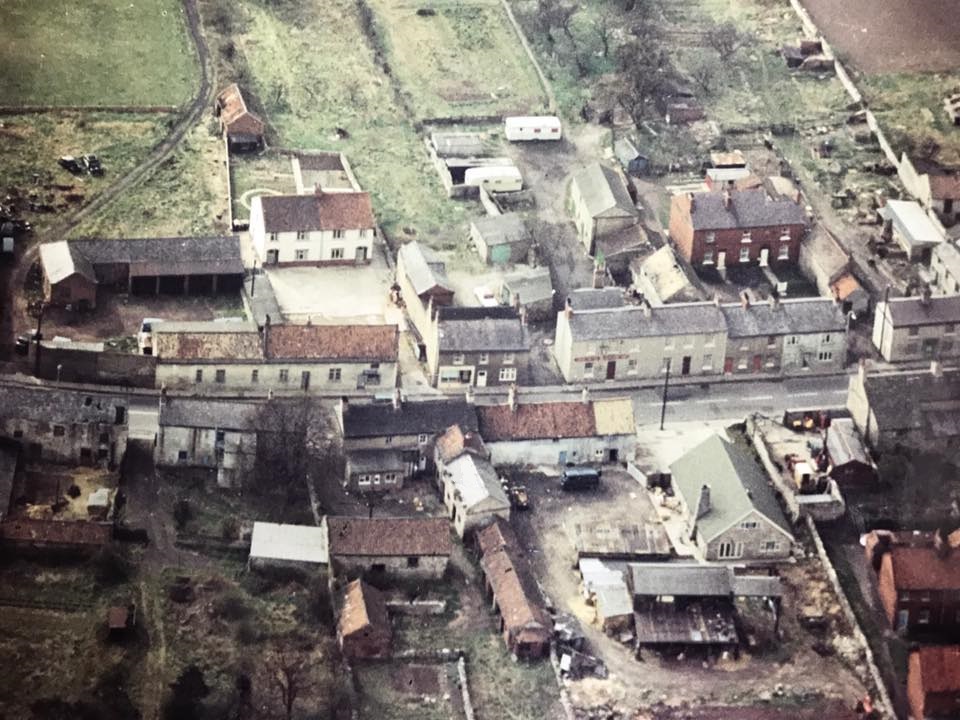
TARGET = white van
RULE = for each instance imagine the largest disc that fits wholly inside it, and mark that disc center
(540, 127)
(145, 336)
(498, 178)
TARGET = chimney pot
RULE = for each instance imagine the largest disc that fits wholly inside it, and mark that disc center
(703, 504)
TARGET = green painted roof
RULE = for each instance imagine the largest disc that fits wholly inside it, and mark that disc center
(737, 485)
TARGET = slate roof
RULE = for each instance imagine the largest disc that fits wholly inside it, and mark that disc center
(596, 298)
(60, 262)
(428, 417)
(424, 268)
(802, 316)
(58, 406)
(319, 211)
(166, 255)
(748, 209)
(361, 536)
(506, 229)
(939, 667)
(459, 144)
(936, 310)
(371, 343)
(603, 192)
(699, 580)
(476, 481)
(633, 321)
(532, 285)
(738, 486)
(372, 461)
(481, 329)
(210, 413)
(844, 444)
(536, 421)
(363, 607)
(915, 400)
(912, 223)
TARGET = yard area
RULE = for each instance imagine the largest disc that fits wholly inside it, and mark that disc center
(95, 53)
(463, 59)
(310, 69)
(266, 173)
(185, 196)
(31, 144)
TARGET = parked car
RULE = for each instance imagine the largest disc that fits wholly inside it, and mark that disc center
(580, 478)
(145, 336)
(22, 344)
(71, 164)
(519, 500)
(92, 163)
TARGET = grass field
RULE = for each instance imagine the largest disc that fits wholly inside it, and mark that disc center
(186, 195)
(464, 60)
(31, 144)
(310, 81)
(95, 52)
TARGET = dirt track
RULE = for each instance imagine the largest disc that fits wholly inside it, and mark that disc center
(880, 36)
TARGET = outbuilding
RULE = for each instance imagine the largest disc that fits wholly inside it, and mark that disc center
(363, 629)
(501, 239)
(298, 546)
(529, 289)
(540, 127)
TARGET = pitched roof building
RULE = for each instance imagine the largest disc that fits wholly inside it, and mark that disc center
(917, 328)
(732, 512)
(501, 239)
(273, 544)
(363, 628)
(472, 492)
(411, 547)
(600, 203)
(910, 226)
(243, 128)
(933, 681)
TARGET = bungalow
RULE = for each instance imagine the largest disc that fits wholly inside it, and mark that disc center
(524, 624)
(472, 492)
(501, 239)
(530, 290)
(363, 628)
(323, 228)
(477, 346)
(416, 548)
(731, 510)
(274, 545)
(661, 278)
(918, 580)
(312, 358)
(208, 433)
(558, 433)
(736, 228)
(65, 426)
(917, 328)
(913, 408)
(74, 269)
(422, 279)
(404, 426)
(600, 204)
(242, 128)
(906, 223)
(933, 682)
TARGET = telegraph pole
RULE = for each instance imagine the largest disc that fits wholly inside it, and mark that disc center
(666, 387)
(36, 354)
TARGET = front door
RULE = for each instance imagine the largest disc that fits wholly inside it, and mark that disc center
(727, 365)
(361, 254)
(757, 363)
(481, 378)
(611, 369)
(721, 260)
(685, 367)
(272, 257)
(903, 618)
(764, 257)
(562, 460)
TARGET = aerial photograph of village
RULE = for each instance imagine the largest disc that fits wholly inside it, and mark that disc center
(480, 360)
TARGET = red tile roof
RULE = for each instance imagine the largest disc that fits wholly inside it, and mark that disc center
(454, 442)
(55, 532)
(234, 114)
(359, 536)
(495, 536)
(538, 421)
(939, 668)
(377, 343)
(945, 187)
(920, 568)
(321, 211)
(363, 606)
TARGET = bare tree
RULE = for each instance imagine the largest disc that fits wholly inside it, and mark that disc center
(725, 38)
(643, 69)
(704, 73)
(289, 674)
(604, 26)
(556, 15)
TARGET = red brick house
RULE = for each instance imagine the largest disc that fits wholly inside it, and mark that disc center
(243, 129)
(737, 227)
(918, 579)
(363, 630)
(933, 682)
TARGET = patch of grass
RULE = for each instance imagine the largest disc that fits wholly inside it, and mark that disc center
(263, 171)
(380, 700)
(95, 52)
(463, 60)
(31, 144)
(186, 195)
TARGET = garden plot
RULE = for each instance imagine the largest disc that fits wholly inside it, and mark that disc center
(458, 59)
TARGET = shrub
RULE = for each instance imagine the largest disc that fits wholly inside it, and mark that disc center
(73, 491)
(230, 528)
(231, 606)
(182, 513)
(247, 633)
(111, 567)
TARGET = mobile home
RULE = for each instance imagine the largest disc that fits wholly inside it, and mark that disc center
(545, 127)
(499, 178)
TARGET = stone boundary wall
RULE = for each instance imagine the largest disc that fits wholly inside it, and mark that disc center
(130, 109)
(547, 88)
(883, 699)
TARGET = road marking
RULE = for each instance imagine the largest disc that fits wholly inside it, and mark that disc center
(711, 400)
(759, 397)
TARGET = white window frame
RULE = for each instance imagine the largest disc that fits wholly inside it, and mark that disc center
(508, 374)
(274, 237)
(337, 234)
(283, 375)
(588, 369)
(484, 358)
(749, 525)
(334, 375)
(708, 256)
(744, 254)
(301, 235)
(784, 252)
(508, 358)
(300, 254)
(730, 550)
(459, 359)
(710, 238)
(336, 253)
(747, 237)
(363, 480)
